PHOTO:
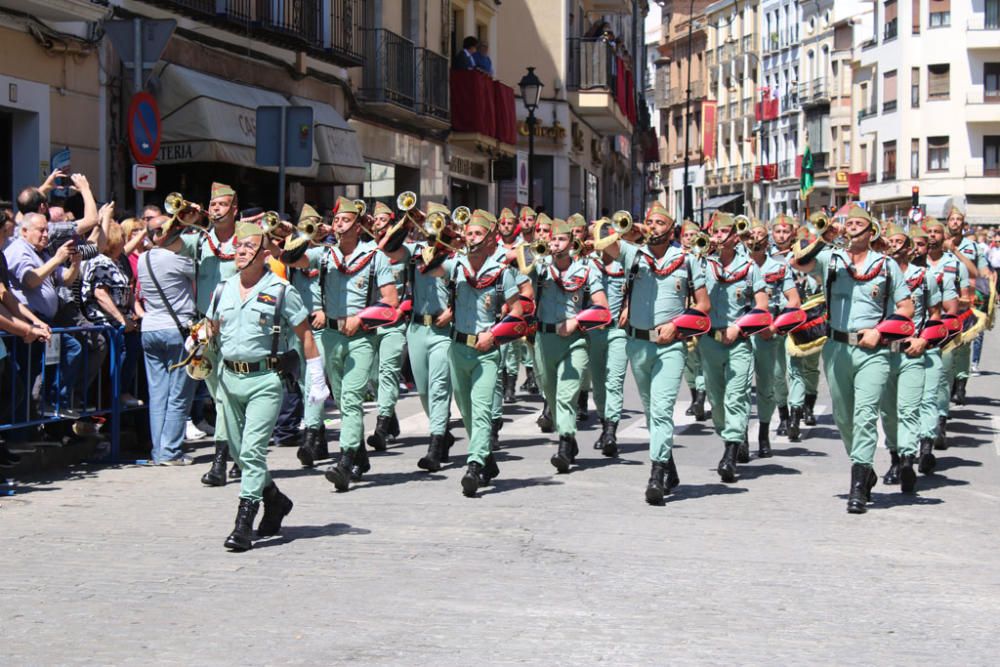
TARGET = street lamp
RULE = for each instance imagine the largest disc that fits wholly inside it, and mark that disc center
(531, 90)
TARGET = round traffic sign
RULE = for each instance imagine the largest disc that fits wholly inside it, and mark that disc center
(144, 128)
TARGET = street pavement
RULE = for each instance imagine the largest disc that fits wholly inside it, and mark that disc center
(125, 565)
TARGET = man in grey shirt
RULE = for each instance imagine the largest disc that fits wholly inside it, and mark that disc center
(170, 391)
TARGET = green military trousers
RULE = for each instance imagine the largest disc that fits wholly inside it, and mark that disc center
(765, 362)
(780, 373)
(428, 348)
(562, 363)
(253, 402)
(474, 379)
(608, 362)
(727, 370)
(929, 404)
(312, 412)
(348, 362)
(803, 378)
(389, 348)
(857, 378)
(657, 370)
(514, 354)
(692, 369)
(947, 377)
(961, 364)
(902, 401)
(212, 384)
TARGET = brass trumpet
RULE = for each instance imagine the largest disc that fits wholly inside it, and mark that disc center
(529, 255)
(406, 200)
(742, 225)
(360, 206)
(175, 206)
(701, 245)
(622, 222)
(274, 227)
(461, 215)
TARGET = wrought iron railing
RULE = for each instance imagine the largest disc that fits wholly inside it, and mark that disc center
(432, 79)
(591, 64)
(388, 75)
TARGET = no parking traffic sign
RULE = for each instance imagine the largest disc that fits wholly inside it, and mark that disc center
(144, 128)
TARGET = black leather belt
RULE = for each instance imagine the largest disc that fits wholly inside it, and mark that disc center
(717, 335)
(848, 337)
(464, 338)
(247, 367)
(547, 328)
(425, 319)
(643, 334)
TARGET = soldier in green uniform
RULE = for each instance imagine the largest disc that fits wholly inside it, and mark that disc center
(967, 251)
(863, 287)
(510, 353)
(692, 366)
(212, 253)
(248, 315)
(355, 274)
(483, 284)
(661, 279)
(566, 284)
(769, 347)
(526, 218)
(428, 341)
(783, 229)
(952, 277)
(904, 391)
(389, 341)
(735, 285)
(578, 224)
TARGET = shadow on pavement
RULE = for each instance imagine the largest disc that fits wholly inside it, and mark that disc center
(798, 451)
(897, 498)
(746, 471)
(292, 533)
(949, 462)
(394, 478)
(502, 485)
(688, 491)
(601, 462)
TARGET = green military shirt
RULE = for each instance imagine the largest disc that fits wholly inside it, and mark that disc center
(949, 274)
(479, 296)
(661, 287)
(856, 304)
(561, 295)
(924, 291)
(430, 293)
(306, 280)
(245, 326)
(345, 279)
(612, 276)
(779, 279)
(731, 288)
(211, 269)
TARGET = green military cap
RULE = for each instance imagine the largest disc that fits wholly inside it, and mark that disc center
(222, 190)
(917, 232)
(506, 214)
(892, 229)
(527, 212)
(344, 205)
(690, 226)
(481, 218)
(954, 210)
(656, 208)
(560, 226)
(381, 209)
(856, 211)
(783, 219)
(246, 230)
(434, 207)
(543, 219)
(309, 213)
(932, 222)
(576, 220)
(722, 221)
(757, 223)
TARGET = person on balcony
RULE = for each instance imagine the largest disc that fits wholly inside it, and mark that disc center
(482, 59)
(466, 58)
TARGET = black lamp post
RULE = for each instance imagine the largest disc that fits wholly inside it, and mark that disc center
(531, 90)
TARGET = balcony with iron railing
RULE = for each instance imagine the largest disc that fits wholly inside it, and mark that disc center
(432, 81)
(600, 85)
(868, 112)
(390, 65)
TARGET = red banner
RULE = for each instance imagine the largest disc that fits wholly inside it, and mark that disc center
(708, 117)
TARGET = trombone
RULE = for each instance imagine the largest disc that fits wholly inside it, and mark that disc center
(175, 206)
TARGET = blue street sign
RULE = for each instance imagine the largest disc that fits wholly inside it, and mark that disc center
(144, 128)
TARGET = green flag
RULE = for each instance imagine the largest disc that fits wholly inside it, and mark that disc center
(806, 178)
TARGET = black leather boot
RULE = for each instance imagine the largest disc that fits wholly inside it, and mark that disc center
(764, 440)
(235, 473)
(927, 460)
(361, 464)
(581, 406)
(489, 471)
(381, 438)
(694, 398)
(857, 498)
(447, 440)
(941, 440)
(9, 459)
(339, 474)
(954, 391)
(431, 462)
(545, 419)
(794, 430)
(656, 488)
(563, 458)
(495, 427)
(891, 475)
(599, 443)
(241, 539)
(907, 476)
(574, 449)
(610, 436)
(673, 479)
(699, 407)
(470, 480)
(782, 420)
(216, 475)
(743, 453)
(393, 426)
(808, 416)
(509, 387)
(960, 392)
(530, 385)
(727, 465)
(308, 454)
(276, 507)
(872, 481)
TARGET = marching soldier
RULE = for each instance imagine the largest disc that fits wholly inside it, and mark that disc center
(783, 229)
(692, 366)
(248, 314)
(510, 353)
(863, 288)
(353, 273)
(735, 285)
(769, 349)
(967, 251)
(389, 342)
(908, 363)
(543, 232)
(565, 284)
(660, 281)
(429, 343)
(578, 225)
(526, 218)
(483, 284)
(212, 253)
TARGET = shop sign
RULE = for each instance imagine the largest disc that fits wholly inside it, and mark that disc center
(555, 132)
(461, 166)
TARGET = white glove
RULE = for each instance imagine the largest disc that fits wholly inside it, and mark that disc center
(190, 344)
(318, 391)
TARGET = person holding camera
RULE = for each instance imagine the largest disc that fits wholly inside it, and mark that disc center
(166, 291)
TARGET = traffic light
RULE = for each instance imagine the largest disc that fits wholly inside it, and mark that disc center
(915, 197)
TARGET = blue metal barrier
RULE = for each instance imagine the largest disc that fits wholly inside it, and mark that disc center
(20, 365)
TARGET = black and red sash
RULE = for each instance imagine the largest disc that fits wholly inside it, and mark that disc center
(868, 275)
(357, 264)
(608, 272)
(223, 256)
(568, 285)
(775, 276)
(722, 276)
(484, 282)
(915, 282)
(668, 269)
